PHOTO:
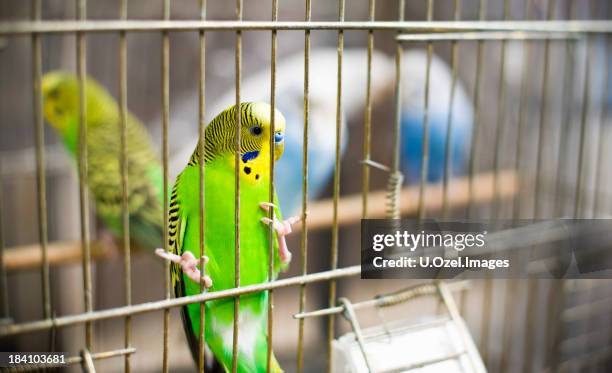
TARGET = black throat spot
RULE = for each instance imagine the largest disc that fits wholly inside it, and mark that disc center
(247, 170)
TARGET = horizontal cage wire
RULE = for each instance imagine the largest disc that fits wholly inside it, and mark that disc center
(449, 110)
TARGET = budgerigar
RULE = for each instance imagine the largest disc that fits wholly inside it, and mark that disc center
(290, 101)
(184, 234)
(60, 92)
(414, 64)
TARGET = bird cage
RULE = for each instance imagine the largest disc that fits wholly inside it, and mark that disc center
(487, 109)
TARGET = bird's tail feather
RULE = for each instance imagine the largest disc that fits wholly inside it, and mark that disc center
(212, 364)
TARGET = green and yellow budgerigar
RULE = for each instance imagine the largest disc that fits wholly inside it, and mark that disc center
(184, 234)
(61, 102)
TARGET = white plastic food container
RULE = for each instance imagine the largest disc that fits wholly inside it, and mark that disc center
(436, 345)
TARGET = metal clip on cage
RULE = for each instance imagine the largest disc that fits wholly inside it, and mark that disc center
(461, 355)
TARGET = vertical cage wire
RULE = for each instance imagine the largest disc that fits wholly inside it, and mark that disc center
(425, 136)
(40, 161)
(533, 284)
(83, 170)
(238, 58)
(520, 137)
(482, 11)
(4, 297)
(336, 193)
(558, 293)
(500, 129)
(561, 194)
(125, 214)
(578, 196)
(393, 208)
(598, 204)
(304, 235)
(202, 185)
(367, 130)
(447, 148)
(165, 87)
(511, 284)
(496, 209)
(482, 15)
(578, 192)
(449, 120)
(87, 362)
(488, 284)
(271, 209)
(542, 128)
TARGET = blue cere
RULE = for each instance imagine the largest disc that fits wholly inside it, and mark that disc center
(250, 155)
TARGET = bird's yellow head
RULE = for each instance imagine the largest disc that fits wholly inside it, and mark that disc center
(256, 127)
(255, 141)
(61, 102)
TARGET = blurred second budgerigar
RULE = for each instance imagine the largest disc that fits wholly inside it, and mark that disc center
(61, 95)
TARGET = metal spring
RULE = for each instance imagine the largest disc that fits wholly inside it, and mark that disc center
(406, 294)
(394, 185)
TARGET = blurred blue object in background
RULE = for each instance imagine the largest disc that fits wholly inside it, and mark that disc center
(414, 64)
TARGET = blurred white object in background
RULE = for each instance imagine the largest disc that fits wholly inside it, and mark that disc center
(433, 346)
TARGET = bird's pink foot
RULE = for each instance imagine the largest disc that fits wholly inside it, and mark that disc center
(282, 229)
(189, 265)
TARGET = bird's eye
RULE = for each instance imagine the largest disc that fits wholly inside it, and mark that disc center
(54, 93)
(256, 130)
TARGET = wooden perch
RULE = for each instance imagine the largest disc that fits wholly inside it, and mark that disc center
(349, 208)
(30, 256)
(319, 217)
